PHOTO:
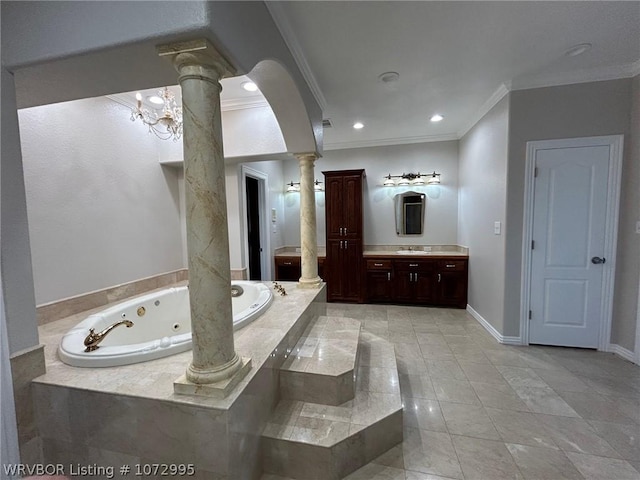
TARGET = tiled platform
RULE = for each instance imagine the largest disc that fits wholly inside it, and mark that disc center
(475, 409)
(306, 440)
(321, 367)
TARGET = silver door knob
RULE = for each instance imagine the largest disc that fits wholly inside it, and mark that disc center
(597, 260)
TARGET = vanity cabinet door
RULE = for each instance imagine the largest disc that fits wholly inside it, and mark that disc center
(451, 283)
(333, 269)
(424, 287)
(287, 269)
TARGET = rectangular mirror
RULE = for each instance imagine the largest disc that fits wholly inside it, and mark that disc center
(409, 213)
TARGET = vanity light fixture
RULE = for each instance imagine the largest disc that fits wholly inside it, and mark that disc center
(168, 124)
(407, 179)
(294, 187)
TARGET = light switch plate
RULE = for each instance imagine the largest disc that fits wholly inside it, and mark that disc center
(638, 227)
(497, 228)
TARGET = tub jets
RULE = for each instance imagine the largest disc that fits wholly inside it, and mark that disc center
(93, 339)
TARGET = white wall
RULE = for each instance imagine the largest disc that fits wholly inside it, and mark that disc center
(379, 219)
(102, 211)
(580, 110)
(482, 196)
(245, 132)
(235, 198)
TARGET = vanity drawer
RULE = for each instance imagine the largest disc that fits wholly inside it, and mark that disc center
(452, 265)
(414, 265)
(378, 264)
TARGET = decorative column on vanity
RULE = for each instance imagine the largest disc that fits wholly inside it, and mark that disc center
(216, 368)
(308, 238)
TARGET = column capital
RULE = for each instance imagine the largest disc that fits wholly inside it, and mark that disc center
(209, 63)
(309, 156)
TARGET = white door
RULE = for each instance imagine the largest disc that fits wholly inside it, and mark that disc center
(567, 258)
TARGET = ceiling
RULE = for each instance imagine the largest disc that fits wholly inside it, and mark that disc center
(453, 58)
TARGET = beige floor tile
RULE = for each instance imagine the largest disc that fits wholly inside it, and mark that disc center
(430, 452)
(485, 459)
(545, 400)
(625, 439)
(562, 380)
(499, 396)
(455, 391)
(593, 406)
(417, 386)
(601, 468)
(445, 369)
(469, 420)
(477, 372)
(520, 427)
(521, 377)
(542, 463)
(423, 414)
(374, 471)
(576, 435)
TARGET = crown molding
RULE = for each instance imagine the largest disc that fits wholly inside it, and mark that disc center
(284, 26)
(257, 101)
(491, 102)
(389, 141)
(598, 74)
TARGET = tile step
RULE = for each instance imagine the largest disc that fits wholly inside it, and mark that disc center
(321, 367)
(308, 441)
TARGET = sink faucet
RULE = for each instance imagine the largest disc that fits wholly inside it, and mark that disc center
(93, 339)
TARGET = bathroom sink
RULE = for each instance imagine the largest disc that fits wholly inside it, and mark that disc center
(411, 252)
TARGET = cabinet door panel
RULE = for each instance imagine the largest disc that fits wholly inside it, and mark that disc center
(403, 284)
(352, 215)
(452, 289)
(351, 270)
(334, 200)
(333, 270)
(379, 286)
(424, 287)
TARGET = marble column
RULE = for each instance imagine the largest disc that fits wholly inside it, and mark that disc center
(308, 238)
(200, 68)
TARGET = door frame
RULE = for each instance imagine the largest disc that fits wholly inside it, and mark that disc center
(263, 201)
(615, 144)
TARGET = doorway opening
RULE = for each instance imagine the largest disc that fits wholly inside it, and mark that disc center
(255, 215)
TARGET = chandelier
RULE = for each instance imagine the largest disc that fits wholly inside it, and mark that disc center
(166, 126)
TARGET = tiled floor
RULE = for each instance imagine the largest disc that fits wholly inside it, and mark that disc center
(475, 409)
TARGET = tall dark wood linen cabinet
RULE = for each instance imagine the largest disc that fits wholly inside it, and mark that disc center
(343, 265)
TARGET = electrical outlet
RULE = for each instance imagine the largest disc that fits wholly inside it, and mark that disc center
(497, 228)
(638, 227)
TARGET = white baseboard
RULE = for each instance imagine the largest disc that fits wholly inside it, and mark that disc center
(621, 351)
(491, 329)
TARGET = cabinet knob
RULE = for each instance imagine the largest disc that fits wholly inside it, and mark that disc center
(413, 264)
(450, 266)
(286, 263)
(377, 264)
(388, 276)
(439, 278)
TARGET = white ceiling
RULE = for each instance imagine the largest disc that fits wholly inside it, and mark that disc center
(454, 58)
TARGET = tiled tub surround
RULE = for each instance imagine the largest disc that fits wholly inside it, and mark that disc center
(130, 414)
(25, 366)
(50, 312)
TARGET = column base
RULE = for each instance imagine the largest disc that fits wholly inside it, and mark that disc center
(218, 389)
(310, 282)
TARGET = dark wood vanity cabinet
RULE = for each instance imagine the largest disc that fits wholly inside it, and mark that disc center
(429, 281)
(288, 268)
(343, 213)
(414, 281)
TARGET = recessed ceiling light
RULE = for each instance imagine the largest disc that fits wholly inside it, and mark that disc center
(437, 118)
(389, 77)
(358, 125)
(155, 99)
(249, 86)
(578, 50)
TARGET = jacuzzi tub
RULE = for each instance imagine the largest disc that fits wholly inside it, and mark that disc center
(161, 326)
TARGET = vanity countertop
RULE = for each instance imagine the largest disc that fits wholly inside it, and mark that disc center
(295, 252)
(414, 253)
(410, 251)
